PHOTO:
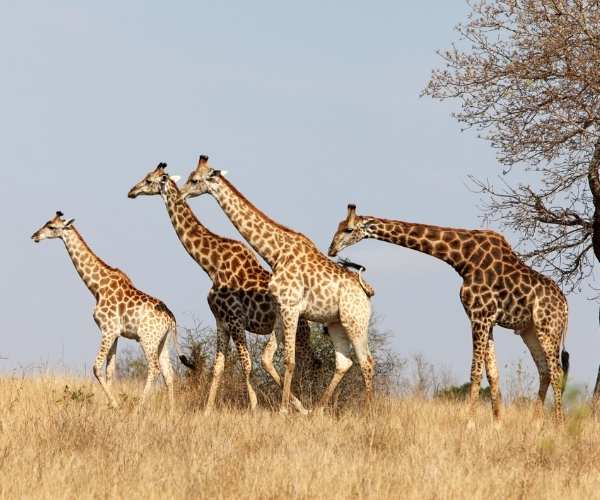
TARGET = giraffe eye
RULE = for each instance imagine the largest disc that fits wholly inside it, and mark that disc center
(348, 230)
(194, 181)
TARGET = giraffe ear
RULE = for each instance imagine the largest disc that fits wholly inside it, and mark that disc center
(69, 222)
(217, 173)
(175, 178)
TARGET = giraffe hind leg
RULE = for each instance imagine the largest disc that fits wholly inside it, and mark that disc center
(151, 349)
(343, 363)
(166, 369)
(551, 349)
(239, 338)
(532, 342)
(357, 332)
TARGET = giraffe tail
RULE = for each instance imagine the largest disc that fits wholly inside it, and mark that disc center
(369, 290)
(565, 357)
(185, 361)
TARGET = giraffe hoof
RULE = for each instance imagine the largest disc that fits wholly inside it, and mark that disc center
(497, 425)
(470, 425)
(283, 411)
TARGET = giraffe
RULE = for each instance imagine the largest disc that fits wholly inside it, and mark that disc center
(239, 298)
(305, 283)
(121, 310)
(498, 289)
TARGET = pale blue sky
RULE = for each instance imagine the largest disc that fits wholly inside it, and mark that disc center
(309, 106)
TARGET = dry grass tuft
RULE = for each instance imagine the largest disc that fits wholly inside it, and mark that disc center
(58, 439)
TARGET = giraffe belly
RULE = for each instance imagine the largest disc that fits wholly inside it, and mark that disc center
(321, 313)
(513, 320)
(130, 335)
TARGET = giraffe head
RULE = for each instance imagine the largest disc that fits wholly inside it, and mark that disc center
(153, 183)
(204, 179)
(54, 228)
(350, 231)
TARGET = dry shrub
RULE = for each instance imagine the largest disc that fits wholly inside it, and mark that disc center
(311, 376)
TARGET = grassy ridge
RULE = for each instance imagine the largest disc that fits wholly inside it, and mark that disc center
(65, 443)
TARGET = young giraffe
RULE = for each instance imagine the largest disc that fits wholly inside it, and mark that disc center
(239, 298)
(121, 310)
(498, 288)
(305, 283)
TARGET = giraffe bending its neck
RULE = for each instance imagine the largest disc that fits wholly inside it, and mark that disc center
(121, 310)
(304, 284)
(498, 288)
(239, 298)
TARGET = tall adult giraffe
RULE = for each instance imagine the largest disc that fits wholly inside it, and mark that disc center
(121, 310)
(305, 283)
(498, 289)
(239, 298)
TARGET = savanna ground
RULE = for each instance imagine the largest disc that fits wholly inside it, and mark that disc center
(58, 439)
(58, 442)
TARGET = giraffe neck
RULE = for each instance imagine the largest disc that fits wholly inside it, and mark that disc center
(265, 235)
(441, 242)
(88, 265)
(194, 237)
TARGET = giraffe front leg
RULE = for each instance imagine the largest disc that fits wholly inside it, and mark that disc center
(267, 364)
(111, 363)
(109, 336)
(491, 369)
(289, 323)
(239, 339)
(480, 331)
(218, 366)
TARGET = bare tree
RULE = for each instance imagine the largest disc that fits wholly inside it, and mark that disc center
(527, 76)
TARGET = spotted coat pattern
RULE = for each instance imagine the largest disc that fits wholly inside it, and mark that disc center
(239, 297)
(498, 289)
(121, 310)
(305, 283)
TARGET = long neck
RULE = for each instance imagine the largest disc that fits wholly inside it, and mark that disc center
(441, 242)
(266, 236)
(195, 238)
(89, 266)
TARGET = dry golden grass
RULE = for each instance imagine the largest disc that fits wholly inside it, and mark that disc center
(57, 443)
